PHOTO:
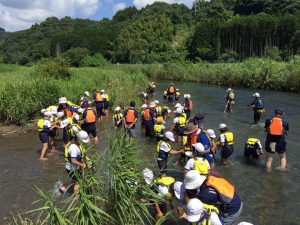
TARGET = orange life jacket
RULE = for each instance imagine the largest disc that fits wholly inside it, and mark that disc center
(190, 106)
(276, 127)
(147, 116)
(99, 97)
(67, 112)
(171, 90)
(222, 186)
(90, 116)
(130, 117)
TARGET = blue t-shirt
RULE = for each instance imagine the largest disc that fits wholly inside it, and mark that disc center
(203, 139)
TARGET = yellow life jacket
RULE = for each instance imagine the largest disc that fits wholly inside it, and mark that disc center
(67, 156)
(182, 120)
(71, 131)
(166, 181)
(73, 104)
(158, 129)
(51, 108)
(158, 146)
(229, 138)
(40, 124)
(201, 166)
(117, 116)
(159, 110)
(177, 93)
(184, 143)
(231, 95)
(208, 210)
(252, 141)
(107, 97)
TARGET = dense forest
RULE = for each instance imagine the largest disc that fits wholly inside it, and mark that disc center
(214, 31)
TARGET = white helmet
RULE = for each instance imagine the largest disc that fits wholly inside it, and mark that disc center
(170, 136)
(83, 136)
(257, 95)
(222, 126)
(60, 114)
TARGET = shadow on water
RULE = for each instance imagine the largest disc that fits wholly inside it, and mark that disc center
(269, 198)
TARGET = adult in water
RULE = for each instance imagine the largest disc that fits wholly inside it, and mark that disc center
(258, 107)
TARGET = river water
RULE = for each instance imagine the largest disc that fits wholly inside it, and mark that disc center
(269, 198)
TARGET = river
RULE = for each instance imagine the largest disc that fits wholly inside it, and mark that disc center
(269, 198)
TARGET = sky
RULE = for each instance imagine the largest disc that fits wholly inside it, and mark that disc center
(21, 14)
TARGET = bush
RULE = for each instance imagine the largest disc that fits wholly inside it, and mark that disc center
(75, 55)
(57, 68)
(93, 61)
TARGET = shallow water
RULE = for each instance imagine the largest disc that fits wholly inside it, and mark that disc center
(269, 198)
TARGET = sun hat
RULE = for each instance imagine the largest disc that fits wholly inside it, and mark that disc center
(144, 106)
(60, 114)
(83, 136)
(118, 108)
(64, 123)
(257, 95)
(156, 102)
(177, 105)
(178, 111)
(211, 133)
(152, 104)
(162, 190)
(199, 147)
(148, 175)
(179, 190)
(194, 210)
(87, 93)
(62, 100)
(222, 126)
(190, 128)
(187, 96)
(193, 180)
(170, 136)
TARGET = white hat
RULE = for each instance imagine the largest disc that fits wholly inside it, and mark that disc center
(188, 153)
(64, 123)
(156, 102)
(118, 108)
(169, 111)
(169, 135)
(47, 113)
(43, 111)
(199, 147)
(229, 89)
(152, 104)
(245, 223)
(222, 126)
(62, 100)
(178, 111)
(257, 95)
(193, 180)
(60, 114)
(177, 105)
(148, 175)
(83, 136)
(102, 91)
(179, 190)
(81, 99)
(144, 106)
(162, 190)
(211, 133)
(194, 210)
(187, 96)
(75, 129)
(80, 110)
(87, 93)
(76, 116)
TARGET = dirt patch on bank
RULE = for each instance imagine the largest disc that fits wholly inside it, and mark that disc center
(6, 130)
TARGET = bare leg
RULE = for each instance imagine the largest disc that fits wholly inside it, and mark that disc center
(282, 161)
(44, 152)
(269, 161)
(96, 140)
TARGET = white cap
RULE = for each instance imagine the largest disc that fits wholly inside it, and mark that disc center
(188, 153)
(193, 180)
(187, 96)
(75, 129)
(179, 190)
(43, 111)
(229, 89)
(169, 111)
(83, 136)
(152, 104)
(148, 175)
(194, 210)
(199, 147)
(80, 110)
(178, 111)
(162, 190)
(144, 106)
(169, 135)
(245, 223)
(257, 95)
(64, 123)
(47, 114)
(222, 126)
(156, 102)
(87, 93)
(60, 114)
(118, 108)
(177, 105)
(76, 116)
(62, 100)
(211, 133)
(102, 91)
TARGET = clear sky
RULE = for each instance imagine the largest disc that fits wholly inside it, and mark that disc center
(21, 14)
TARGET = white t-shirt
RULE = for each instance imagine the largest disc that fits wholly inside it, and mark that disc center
(47, 123)
(222, 138)
(214, 219)
(190, 164)
(74, 151)
(176, 120)
(164, 147)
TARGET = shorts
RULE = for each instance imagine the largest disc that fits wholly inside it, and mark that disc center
(162, 164)
(52, 133)
(74, 175)
(99, 109)
(227, 151)
(209, 158)
(44, 137)
(179, 131)
(275, 143)
(106, 105)
(90, 128)
(251, 152)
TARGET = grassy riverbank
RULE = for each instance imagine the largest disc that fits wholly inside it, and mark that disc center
(263, 74)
